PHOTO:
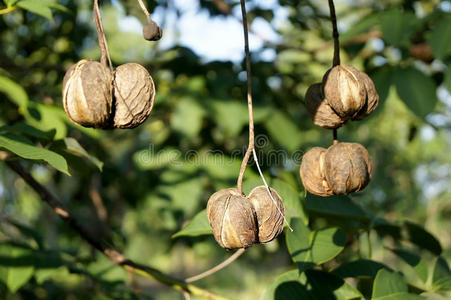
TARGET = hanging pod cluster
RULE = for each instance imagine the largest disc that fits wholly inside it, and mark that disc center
(238, 221)
(344, 94)
(95, 97)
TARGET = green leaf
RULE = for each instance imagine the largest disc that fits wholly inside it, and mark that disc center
(398, 26)
(417, 90)
(339, 206)
(387, 283)
(72, 146)
(309, 248)
(401, 296)
(442, 284)
(383, 80)
(16, 146)
(359, 268)
(187, 117)
(16, 274)
(286, 287)
(197, 226)
(440, 38)
(148, 159)
(362, 26)
(441, 270)
(415, 261)
(50, 118)
(38, 7)
(420, 237)
(25, 129)
(27, 231)
(282, 129)
(291, 200)
(14, 92)
(222, 112)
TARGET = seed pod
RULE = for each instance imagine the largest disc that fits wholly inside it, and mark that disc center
(344, 90)
(134, 93)
(372, 98)
(269, 219)
(152, 32)
(232, 219)
(312, 172)
(319, 110)
(347, 167)
(87, 94)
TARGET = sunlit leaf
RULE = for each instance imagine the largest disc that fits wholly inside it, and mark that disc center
(309, 248)
(38, 7)
(197, 226)
(387, 283)
(415, 261)
(16, 146)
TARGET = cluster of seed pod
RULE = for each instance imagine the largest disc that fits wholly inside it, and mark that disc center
(344, 94)
(238, 221)
(93, 96)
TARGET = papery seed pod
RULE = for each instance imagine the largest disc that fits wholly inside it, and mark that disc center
(347, 167)
(152, 32)
(312, 172)
(319, 110)
(269, 216)
(87, 94)
(344, 90)
(232, 219)
(134, 93)
(372, 98)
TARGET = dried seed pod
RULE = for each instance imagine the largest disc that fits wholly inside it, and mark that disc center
(344, 90)
(269, 216)
(372, 98)
(134, 93)
(232, 219)
(319, 110)
(87, 94)
(152, 32)
(347, 167)
(312, 172)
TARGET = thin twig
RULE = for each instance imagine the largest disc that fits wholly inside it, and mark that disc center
(103, 44)
(145, 11)
(217, 268)
(112, 254)
(249, 99)
(269, 191)
(335, 34)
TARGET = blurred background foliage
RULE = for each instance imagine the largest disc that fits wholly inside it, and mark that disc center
(138, 188)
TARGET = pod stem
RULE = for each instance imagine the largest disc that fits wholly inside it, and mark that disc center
(333, 19)
(145, 11)
(249, 99)
(103, 44)
(335, 134)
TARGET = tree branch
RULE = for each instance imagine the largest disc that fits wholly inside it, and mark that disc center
(333, 19)
(114, 255)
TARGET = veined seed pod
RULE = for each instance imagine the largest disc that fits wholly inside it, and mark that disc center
(319, 110)
(312, 172)
(347, 167)
(270, 215)
(87, 94)
(232, 219)
(344, 90)
(372, 98)
(134, 93)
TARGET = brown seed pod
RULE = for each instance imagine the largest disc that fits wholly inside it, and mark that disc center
(152, 32)
(134, 93)
(347, 167)
(344, 90)
(312, 172)
(87, 94)
(269, 219)
(372, 99)
(232, 219)
(319, 110)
